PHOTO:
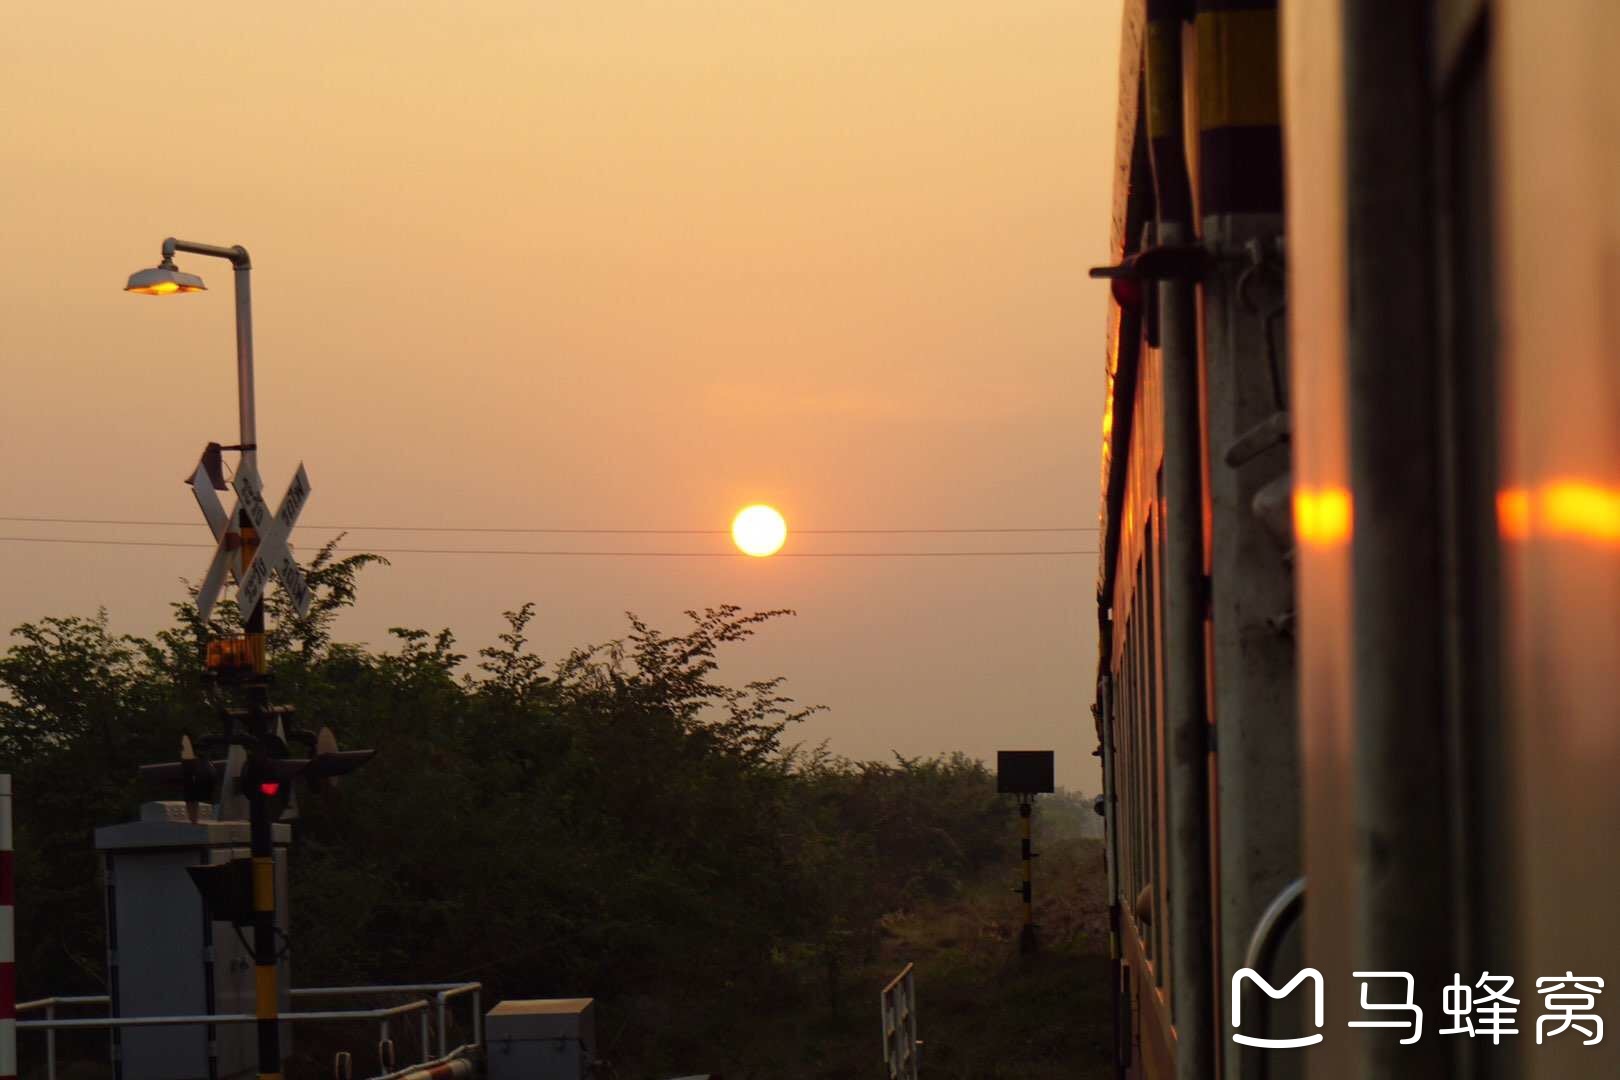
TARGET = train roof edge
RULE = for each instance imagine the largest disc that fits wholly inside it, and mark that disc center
(1131, 205)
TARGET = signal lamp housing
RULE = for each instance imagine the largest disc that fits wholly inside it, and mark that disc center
(232, 656)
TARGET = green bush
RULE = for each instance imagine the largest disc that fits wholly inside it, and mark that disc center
(621, 822)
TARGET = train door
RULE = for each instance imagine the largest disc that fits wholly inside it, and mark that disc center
(1394, 349)
(1557, 82)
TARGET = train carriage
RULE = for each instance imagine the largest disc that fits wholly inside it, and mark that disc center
(1359, 590)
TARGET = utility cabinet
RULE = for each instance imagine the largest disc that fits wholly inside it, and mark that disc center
(167, 957)
(553, 1039)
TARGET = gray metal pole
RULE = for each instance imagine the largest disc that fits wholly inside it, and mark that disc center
(1255, 763)
(1186, 742)
(264, 904)
(1186, 729)
(244, 362)
(243, 265)
(1402, 855)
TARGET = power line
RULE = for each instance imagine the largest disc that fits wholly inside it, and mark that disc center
(565, 552)
(568, 531)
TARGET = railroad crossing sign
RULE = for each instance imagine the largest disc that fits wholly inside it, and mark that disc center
(273, 555)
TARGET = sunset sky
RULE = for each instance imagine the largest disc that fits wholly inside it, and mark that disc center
(592, 265)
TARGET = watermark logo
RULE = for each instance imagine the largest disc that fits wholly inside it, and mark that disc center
(1483, 1008)
(1409, 1005)
(1563, 1006)
(1496, 1009)
(1311, 974)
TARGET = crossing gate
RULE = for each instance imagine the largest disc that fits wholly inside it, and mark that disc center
(898, 1003)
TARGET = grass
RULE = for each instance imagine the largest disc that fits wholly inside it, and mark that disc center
(984, 1011)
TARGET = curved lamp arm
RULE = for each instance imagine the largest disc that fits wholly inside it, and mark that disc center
(237, 255)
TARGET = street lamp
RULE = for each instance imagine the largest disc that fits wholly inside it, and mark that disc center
(166, 279)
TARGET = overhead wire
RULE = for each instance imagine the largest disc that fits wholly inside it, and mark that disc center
(95, 542)
(980, 530)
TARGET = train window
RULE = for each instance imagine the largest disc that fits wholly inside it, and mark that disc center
(1135, 765)
(1138, 826)
(1140, 855)
(1122, 773)
(1146, 678)
(1150, 653)
(1123, 757)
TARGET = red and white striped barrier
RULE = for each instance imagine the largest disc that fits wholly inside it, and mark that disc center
(8, 949)
(449, 1070)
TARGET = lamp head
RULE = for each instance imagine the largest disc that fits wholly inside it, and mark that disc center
(163, 279)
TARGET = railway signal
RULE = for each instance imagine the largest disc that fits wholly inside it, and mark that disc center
(242, 891)
(196, 777)
(251, 544)
(1025, 773)
(227, 889)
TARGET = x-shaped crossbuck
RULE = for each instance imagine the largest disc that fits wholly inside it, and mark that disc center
(273, 555)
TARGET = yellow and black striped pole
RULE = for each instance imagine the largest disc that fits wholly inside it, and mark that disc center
(1026, 941)
(1239, 110)
(264, 937)
(262, 786)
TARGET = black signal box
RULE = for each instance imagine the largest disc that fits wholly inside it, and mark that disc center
(1024, 772)
(227, 889)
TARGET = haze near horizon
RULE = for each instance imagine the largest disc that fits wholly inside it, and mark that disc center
(589, 266)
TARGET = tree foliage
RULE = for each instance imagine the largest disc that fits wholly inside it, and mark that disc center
(621, 822)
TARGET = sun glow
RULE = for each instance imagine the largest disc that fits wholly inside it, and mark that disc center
(758, 531)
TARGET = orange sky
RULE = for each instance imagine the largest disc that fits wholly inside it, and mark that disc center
(609, 264)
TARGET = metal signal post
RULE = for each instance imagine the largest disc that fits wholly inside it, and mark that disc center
(255, 549)
(1025, 773)
(264, 913)
(1026, 940)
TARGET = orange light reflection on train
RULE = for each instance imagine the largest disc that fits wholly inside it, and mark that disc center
(1323, 516)
(1568, 509)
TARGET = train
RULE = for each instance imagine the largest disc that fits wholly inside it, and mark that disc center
(1358, 594)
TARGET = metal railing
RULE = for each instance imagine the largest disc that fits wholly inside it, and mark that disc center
(49, 1004)
(443, 993)
(897, 1003)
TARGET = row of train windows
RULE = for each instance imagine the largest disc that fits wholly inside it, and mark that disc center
(1138, 765)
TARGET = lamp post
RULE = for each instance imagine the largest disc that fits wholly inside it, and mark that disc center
(166, 279)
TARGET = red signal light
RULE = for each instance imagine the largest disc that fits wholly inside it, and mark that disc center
(269, 788)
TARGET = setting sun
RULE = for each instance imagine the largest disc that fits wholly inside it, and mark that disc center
(758, 530)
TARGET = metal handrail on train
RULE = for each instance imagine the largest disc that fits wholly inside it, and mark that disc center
(1263, 941)
(1279, 915)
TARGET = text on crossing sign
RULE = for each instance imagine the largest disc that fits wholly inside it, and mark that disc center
(273, 556)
